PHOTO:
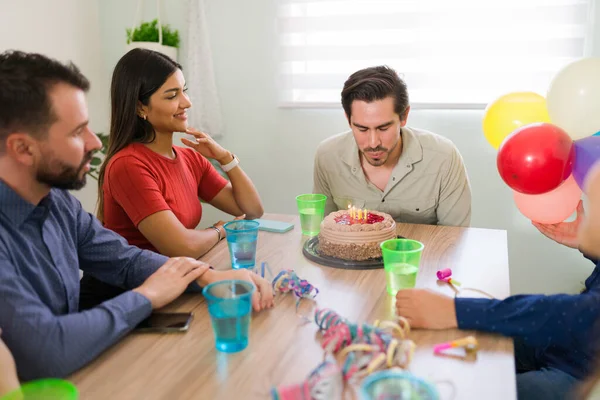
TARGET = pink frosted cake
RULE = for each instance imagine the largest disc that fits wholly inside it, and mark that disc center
(348, 238)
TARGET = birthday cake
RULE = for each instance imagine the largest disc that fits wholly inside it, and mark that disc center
(349, 235)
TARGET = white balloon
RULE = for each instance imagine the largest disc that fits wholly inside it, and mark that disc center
(573, 98)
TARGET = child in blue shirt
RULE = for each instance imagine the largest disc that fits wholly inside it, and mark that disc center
(555, 339)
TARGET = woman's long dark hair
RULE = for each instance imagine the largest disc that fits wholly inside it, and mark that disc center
(137, 75)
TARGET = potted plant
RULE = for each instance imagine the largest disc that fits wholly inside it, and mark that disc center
(154, 36)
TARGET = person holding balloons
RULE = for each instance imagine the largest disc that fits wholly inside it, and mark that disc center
(546, 150)
(589, 241)
(589, 234)
(555, 339)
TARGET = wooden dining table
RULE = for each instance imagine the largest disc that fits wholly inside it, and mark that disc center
(283, 348)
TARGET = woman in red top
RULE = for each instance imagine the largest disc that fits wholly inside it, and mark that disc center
(149, 190)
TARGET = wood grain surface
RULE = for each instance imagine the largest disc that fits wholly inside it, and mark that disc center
(284, 350)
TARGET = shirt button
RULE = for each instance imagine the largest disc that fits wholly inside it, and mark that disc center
(383, 200)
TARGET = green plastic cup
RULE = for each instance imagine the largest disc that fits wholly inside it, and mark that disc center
(44, 389)
(311, 208)
(401, 258)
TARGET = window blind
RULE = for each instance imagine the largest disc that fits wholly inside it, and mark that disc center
(452, 54)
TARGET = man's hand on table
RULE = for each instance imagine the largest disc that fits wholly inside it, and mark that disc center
(424, 308)
(170, 280)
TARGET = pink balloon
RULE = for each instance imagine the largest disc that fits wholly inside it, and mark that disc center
(552, 207)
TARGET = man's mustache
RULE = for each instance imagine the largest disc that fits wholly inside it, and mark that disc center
(376, 149)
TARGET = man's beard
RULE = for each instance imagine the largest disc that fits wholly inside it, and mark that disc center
(68, 177)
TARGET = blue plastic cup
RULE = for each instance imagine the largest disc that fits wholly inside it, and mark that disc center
(396, 385)
(230, 309)
(242, 236)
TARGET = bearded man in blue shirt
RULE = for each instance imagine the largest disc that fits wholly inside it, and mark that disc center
(46, 237)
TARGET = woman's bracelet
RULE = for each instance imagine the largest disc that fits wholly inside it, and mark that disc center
(218, 232)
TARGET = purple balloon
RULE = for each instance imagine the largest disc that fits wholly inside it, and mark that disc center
(587, 153)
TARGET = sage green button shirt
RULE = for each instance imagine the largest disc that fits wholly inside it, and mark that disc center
(428, 185)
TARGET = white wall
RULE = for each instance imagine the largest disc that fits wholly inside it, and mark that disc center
(276, 146)
(68, 30)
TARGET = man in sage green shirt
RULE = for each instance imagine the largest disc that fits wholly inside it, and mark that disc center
(380, 164)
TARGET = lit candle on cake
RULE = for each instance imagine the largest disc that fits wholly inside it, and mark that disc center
(359, 214)
(365, 212)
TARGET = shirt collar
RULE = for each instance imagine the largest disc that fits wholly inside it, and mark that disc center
(16, 208)
(412, 151)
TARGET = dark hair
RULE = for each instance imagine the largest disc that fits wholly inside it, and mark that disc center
(136, 77)
(375, 83)
(25, 80)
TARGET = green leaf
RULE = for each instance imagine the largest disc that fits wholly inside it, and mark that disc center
(96, 161)
(148, 32)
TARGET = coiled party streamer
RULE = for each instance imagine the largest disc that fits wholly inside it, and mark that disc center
(360, 348)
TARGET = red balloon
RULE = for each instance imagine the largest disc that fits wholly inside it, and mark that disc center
(536, 158)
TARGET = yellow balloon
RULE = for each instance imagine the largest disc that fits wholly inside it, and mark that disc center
(512, 111)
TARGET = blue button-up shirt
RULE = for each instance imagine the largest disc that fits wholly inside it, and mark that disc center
(42, 249)
(561, 327)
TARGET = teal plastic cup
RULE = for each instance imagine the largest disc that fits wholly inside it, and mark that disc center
(230, 308)
(311, 208)
(396, 385)
(401, 259)
(242, 237)
(44, 389)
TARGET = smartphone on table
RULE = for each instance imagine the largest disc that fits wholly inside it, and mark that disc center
(166, 322)
(268, 225)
